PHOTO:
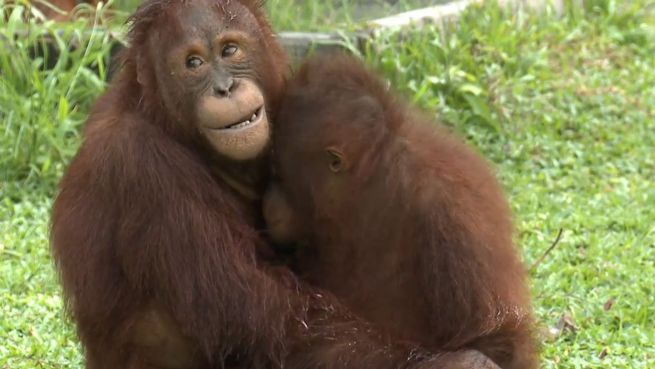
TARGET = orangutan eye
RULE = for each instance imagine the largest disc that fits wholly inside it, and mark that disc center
(229, 50)
(193, 62)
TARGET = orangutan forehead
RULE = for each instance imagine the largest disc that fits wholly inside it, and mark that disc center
(178, 18)
(206, 17)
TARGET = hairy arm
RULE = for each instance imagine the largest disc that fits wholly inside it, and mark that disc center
(139, 219)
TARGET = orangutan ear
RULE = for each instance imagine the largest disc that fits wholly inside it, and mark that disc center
(336, 159)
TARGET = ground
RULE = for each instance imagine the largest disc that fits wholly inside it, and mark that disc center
(563, 105)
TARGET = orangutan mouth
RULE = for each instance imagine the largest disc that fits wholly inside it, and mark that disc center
(255, 118)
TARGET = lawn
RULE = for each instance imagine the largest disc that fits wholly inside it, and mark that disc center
(564, 105)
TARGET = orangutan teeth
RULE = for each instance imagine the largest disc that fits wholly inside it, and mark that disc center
(246, 122)
(242, 124)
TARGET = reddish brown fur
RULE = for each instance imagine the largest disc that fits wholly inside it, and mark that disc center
(414, 232)
(142, 224)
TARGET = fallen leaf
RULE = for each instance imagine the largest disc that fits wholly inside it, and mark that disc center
(566, 323)
(608, 305)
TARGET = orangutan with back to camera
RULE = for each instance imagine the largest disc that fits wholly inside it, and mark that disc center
(404, 223)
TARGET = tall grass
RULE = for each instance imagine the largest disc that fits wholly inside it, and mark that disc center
(45, 94)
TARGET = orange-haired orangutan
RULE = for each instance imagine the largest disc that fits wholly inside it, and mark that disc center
(153, 230)
(399, 219)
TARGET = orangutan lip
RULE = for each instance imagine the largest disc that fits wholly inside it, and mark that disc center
(246, 121)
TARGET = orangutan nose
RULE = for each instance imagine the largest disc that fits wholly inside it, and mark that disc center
(223, 87)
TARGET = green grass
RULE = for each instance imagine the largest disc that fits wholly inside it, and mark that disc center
(42, 110)
(564, 106)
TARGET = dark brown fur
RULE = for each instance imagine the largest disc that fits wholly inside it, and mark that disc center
(402, 221)
(143, 227)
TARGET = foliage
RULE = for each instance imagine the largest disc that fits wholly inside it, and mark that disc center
(44, 97)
